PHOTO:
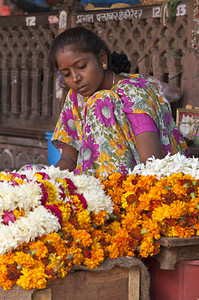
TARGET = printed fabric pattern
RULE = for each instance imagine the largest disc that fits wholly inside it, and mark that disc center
(98, 126)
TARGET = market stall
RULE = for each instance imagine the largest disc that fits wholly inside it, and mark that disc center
(58, 228)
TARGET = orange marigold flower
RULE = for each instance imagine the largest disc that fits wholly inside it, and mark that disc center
(82, 237)
(39, 249)
(97, 257)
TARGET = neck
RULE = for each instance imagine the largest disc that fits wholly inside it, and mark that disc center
(108, 80)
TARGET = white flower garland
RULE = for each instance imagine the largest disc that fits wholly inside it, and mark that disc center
(36, 223)
(89, 186)
(26, 196)
(37, 220)
(169, 165)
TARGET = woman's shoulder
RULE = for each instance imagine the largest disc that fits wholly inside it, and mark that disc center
(131, 81)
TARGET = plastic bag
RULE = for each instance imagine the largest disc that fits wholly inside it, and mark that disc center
(108, 2)
(168, 92)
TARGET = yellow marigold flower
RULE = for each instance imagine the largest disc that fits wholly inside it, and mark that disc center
(121, 239)
(61, 249)
(152, 229)
(129, 183)
(184, 232)
(179, 189)
(143, 203)
(177, 209)
(171, 231)
(65, 209)
(33, 278)
(76, 255)
(68, 228)
(52, 192)
(146, 247)
(6, 177)
(99, 218)
(18, 213)
(131, 219)
(62, 271)
(53, 238)
(84, 218)
(65, 185)
(131, 196)
(25, 259)
(114, 227)
(113, 187)
(113, 251)
(160, 213)
(196, 227)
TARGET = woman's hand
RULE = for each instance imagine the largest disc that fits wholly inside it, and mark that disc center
(148, 145)
(68, 160)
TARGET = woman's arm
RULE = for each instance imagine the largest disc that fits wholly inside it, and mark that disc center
(148, 145)
(68, 160)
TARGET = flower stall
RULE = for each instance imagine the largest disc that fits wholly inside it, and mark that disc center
(57, 226)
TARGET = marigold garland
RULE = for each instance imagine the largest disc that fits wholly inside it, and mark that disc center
(144, 209)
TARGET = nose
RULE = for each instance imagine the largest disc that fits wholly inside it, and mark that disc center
(76, 77)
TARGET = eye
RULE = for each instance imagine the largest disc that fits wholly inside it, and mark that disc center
(82, 67)
(66, 75)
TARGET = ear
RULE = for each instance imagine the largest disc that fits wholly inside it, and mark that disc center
(103, 57)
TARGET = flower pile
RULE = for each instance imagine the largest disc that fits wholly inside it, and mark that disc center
(52, 220)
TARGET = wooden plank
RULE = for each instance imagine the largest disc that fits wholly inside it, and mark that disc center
(168, 257)
(21, 20)
(178, 242)
(84, 285)
(42, 295)
(134, 283)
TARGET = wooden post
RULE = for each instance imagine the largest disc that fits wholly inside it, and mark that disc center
(134, 283)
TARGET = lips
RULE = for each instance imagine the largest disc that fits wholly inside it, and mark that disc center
(82, 89)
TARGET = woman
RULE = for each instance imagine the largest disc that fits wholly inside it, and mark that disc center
(111, 120)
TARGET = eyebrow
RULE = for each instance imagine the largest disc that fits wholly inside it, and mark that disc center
(73, 64)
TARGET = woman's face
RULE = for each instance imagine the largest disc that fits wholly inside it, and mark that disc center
(82, 72)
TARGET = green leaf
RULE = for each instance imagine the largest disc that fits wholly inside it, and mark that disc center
(19, 267)
(167, 188)
(112, 216)
(33, 252)
(69, 256)
(143, 231)
(60, 233)
(193, 196)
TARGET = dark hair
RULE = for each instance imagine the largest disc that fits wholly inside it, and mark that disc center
(87, 41)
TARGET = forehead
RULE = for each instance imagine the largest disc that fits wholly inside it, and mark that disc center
(70, 55)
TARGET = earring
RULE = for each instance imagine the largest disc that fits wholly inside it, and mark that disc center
(104, 66)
